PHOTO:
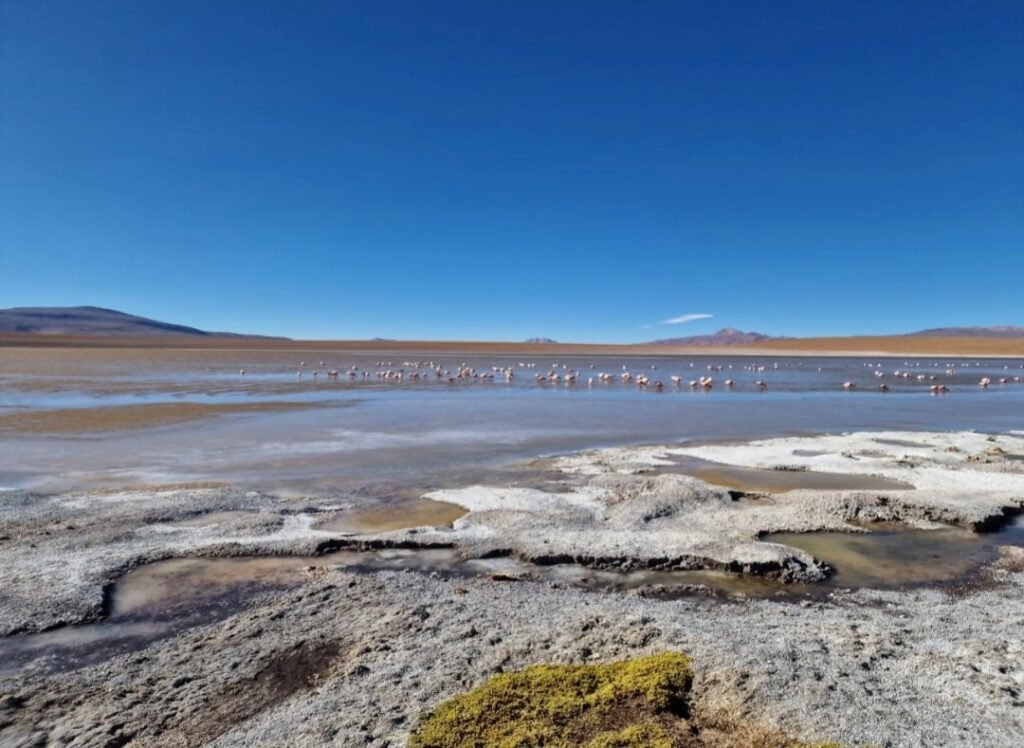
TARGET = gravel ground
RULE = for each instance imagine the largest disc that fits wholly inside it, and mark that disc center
(354, 660)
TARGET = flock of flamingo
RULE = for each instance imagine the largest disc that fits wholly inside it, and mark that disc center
(416, 371)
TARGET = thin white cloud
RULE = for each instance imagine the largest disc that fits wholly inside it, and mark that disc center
(684, 318)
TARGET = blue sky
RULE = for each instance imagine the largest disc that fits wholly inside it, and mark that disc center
(485, 170)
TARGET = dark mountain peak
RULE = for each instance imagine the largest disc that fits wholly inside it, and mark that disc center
(540, 340)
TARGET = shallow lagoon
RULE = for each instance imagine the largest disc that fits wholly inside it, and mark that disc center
(422, 433)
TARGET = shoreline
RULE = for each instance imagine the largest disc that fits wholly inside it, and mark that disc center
(618, 508)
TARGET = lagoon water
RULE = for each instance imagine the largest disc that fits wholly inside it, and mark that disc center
(272, 430)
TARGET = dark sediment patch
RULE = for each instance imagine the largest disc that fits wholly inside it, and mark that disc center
(790, 570)
(1002, 522)
(287, 673)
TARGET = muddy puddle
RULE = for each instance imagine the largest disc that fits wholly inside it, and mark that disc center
(158, 588)
(399, 516)
(154, 602)
(762, 480)
(210, 519)
(161, 599)
(891, 556)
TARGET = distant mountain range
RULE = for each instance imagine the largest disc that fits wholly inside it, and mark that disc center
(732, 336)
(1004, 331)
(99, 322)
(725, 336)
(92, 320)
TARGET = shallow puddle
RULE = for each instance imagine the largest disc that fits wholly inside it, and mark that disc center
(892, 556)
(397, 516)
(161, 599)
(164, 598)
(160, 586)
(761, 480)
(888, 556)
(210, 519)
(165, 585)
(901, 443)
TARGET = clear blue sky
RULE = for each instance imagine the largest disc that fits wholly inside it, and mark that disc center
(501, 170)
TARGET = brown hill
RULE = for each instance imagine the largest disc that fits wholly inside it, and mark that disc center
(94, 321)
(725, 336)
(1000, 331)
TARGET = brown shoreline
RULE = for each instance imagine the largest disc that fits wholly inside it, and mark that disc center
(895, 345)
(138, 416)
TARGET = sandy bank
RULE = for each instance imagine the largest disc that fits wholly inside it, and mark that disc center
(120, 417)
(892, 345)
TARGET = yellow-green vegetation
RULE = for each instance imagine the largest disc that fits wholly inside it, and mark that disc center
(640, 703)
(632, 704)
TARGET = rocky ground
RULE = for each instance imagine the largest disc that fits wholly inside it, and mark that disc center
(354, 660)
(621, 510)
(348, 658)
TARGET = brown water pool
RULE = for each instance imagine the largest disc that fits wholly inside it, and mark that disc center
(395, 516)
(762, 480)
